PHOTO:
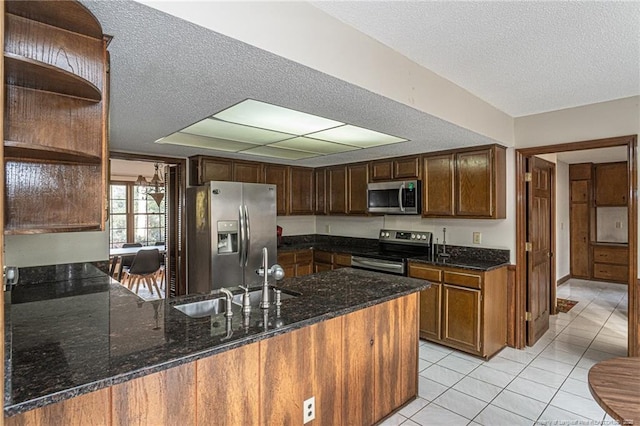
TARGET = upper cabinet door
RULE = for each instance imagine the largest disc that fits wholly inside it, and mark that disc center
(474, 171)
(381, 170)
(438, 185)
(357, 179)
(406, 168)
(612, 187)
(320, 178)
(301, 191)
(337, 189)
(278, 175)
(214, 169)
(247, 172)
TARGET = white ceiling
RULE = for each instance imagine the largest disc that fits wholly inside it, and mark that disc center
(522, 57)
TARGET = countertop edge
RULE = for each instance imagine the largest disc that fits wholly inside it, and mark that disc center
(39, 402)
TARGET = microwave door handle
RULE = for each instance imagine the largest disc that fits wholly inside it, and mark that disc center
(400, 190)
(242, 236)
(247, 236)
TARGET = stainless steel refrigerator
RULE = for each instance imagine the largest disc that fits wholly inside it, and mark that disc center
(228, 224)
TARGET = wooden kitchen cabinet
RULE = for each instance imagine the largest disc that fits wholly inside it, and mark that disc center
(327, 261)
(379, 375)
(301, 191)
(248, 171)
(611, 262)
(611, 184)
(580, 217)
(278, 175)
(205, 169)
(320, 182)
(357, 180)
(55, 135)
(395, 168)
(296, 263)
(467, 183)
(463, 309)
(337, 189)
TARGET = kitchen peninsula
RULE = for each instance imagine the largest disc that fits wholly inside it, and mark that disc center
(82, 347)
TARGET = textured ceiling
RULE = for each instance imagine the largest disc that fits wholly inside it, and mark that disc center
(167, 73)
(523, 57)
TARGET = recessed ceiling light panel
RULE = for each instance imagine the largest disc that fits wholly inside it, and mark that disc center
(235, 132)
(196, 141)
(270, 151)
(314, 145)
(356, 136)
(272, 117)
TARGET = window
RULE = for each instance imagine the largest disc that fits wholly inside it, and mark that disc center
(134, 216)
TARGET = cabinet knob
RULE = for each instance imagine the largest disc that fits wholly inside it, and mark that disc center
(371, 342)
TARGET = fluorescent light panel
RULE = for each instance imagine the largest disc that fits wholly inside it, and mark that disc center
(258, 128)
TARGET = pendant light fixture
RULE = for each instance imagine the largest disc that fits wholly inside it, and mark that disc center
(156, 182)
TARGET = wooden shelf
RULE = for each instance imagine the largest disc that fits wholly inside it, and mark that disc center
(53, 228)
(30, 151)
(71, 16)
(26, 72)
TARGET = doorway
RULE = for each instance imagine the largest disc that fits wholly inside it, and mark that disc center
(168, 227)
(522, 279)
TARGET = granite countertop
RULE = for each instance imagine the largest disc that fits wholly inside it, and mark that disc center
(463, 263)
(71, 337)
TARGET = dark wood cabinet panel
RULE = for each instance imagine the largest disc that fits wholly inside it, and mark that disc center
(236, 369)
(359, 338)
(357, 180)
(430, 313)
(320, 181)
(461, 317)
(205, 169)
(406, 168)
(611, 184)
(580, 190)
(296, 263)
(249, 172)
(301, 192)
(166, 397)
(337, 189)
(439, 185)
(579, 240)
(381, 170)
(278, 175)
(90, 409)
(582, 171)
(474, 171)
(611, 263)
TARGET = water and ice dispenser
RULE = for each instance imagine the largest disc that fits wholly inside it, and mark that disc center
(227, 236)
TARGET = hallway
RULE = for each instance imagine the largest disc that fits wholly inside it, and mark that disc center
(543, 384)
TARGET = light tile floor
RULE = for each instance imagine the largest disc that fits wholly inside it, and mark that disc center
(543, 384)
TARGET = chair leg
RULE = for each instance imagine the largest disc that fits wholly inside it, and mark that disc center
(147, 281)
(137, 282)
(155, 284)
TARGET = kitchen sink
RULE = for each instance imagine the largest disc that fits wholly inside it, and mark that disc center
(203, 308)
(255, 296)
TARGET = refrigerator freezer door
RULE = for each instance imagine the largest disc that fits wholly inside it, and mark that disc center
(260, 202)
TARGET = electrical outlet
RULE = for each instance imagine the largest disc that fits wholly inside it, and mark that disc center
(618, 225)
(477, 237)
(309, 409)
(327, 229)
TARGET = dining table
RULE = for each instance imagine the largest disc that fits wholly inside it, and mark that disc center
(116, 255)
(615, 385)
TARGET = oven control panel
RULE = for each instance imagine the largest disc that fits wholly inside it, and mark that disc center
(394, 236)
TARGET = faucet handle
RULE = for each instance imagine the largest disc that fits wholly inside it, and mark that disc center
(277, 272)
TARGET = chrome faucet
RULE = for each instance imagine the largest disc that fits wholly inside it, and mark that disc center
(444, 253)
(229, 297)
(265, 271)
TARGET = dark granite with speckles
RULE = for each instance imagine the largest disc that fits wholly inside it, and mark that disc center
(473, 258)
(68, 338)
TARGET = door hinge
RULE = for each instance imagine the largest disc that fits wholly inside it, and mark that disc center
(527, 316)
(528, 246)
(528, 177)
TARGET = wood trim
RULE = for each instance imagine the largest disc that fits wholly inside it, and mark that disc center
(630, 142)
(554, 285)
(563, 280)
(511, 305)
(2, 186)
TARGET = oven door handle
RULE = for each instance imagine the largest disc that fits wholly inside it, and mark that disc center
(364, 262)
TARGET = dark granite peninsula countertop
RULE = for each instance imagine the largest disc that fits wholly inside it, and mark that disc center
(74, 336)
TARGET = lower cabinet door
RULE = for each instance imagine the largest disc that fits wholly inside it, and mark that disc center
(430, 312)
(461, 318)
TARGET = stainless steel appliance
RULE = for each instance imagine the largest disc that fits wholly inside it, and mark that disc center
(394, 248)
(229, 223)
(396, 197)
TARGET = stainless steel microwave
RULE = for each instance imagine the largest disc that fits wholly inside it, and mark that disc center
(395, 197)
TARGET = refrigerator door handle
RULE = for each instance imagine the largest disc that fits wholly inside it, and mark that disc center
(247, 245)
(241, 249)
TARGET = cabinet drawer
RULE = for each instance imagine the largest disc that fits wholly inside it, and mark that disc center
(463, 279)
(611, 272)
(617, 255)
(425, 273)
(342, 259)
(304, 256)
(322, 257)
(287, 258)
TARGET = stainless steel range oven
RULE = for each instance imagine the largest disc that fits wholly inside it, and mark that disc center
(394, 248)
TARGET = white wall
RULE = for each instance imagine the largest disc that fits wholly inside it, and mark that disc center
(563, 251)
(297, 225)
